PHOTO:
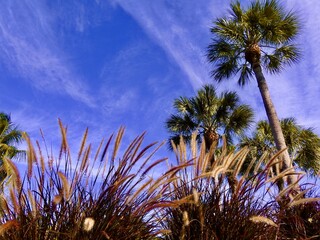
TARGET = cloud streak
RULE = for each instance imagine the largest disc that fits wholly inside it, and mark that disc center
(182, 30)
(30, 49)
(177, 28)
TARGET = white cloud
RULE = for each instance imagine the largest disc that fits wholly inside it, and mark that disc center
(298, 88)
(179, 26)
(177, 30)
(29, 47)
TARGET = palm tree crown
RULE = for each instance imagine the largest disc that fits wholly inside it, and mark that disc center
(303, 144)
(10, 136)
(263, 34)
(209, 114)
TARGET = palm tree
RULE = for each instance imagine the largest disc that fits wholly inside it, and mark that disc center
(10, 136)
(246, 41)
(303, 144)
(210, 115)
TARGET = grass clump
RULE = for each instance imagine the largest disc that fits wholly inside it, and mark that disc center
(223, 204)
(109, 193)
(97, 196)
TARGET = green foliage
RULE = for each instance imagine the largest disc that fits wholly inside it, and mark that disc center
(96, 196)
(303, 144)
(264, 24)
(300, 222)
(207, 113)
(10, 136)
(213, 207)
(109, 194)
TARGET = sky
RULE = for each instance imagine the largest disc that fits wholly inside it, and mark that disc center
(105, 64)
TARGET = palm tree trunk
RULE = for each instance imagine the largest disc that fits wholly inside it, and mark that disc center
(273, 120)
(211, 137)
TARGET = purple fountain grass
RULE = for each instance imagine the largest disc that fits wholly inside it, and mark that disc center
(56, 197)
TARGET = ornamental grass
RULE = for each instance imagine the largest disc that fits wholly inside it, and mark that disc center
(110, 193)
(224, 204)
(100, 194)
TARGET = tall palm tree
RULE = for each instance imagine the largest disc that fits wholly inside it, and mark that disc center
(10, 136)
(303, 144)
(209, 114)
(246, 41)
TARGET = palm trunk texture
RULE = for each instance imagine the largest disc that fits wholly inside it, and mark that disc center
(273, 120)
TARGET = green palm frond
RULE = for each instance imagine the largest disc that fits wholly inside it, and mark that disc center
(230, 99)
(13, 136)
(303, 144)
(225, 70)
(272, 62)
(228, 102)
(204, 103)
(245, 74)
(221, 50)
(11, 151)
(229, 30)
(183, 105)
(264, 23)
(240, 119)
(279, 27)
(287, 53)
(183, 124)
(236, 12)
(10, 137)
(284, 55)
(208, 97)
(308, 153)
(209, 114)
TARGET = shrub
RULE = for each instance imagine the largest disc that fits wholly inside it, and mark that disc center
(220, 204)
(299, 219)
(108, 194)
(93, 197)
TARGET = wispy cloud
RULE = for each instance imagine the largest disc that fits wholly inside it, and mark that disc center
(29, 47)
(179, 29)
(297, 89)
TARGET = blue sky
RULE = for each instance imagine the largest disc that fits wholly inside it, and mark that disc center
(103, 64)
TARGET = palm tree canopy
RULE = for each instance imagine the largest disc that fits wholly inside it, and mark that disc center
(208, 114)
(263, 33)
(10, 136)
(303, 144)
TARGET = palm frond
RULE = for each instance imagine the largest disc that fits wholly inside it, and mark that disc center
(229, 29)
(229, 99)
(10, 137)
(265, 24)
(13, 136)
(228, 102)
(209, 115)
(222, 50)
(303, 144)
(288, 53)
(225, 70)
(308, 154)
(272, 62)
(240, 119)
(183, 105)
(246, 74)
(182, 124)
(236, 12)
(284, 55)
